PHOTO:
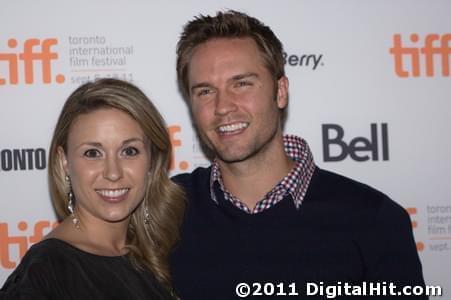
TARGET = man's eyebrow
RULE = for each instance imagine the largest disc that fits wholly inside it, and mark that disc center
(233, 78)
(200, 85)
(243, 76)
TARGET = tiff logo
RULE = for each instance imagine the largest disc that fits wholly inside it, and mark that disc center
(413, 211)
(23, 241)
(34, 50)
(423, 56)
(176, 142)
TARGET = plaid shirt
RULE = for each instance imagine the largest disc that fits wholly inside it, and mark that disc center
(294, 184)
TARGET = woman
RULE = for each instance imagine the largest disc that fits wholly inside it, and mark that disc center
(120, 212)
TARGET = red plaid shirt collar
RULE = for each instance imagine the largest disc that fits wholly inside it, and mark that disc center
(294, 184)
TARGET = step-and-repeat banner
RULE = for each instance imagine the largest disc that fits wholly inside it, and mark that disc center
(370, 90)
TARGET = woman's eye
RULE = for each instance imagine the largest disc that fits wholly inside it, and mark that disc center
(131, 151)
(92, 153)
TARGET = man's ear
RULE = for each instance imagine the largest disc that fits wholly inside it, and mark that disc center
(282, 92)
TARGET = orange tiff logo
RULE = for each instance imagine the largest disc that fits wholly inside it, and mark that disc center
(175, 142)
(413, 211)
(423, 57)
(22, 241)
(33, 51)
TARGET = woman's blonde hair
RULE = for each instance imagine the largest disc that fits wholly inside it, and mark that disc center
(149, 244)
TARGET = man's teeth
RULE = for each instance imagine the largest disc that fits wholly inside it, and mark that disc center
(232, 127)
(112, 193)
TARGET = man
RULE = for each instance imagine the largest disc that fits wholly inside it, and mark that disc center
(263, 212)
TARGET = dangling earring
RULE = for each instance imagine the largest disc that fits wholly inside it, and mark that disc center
(146, 209)
(70, 205)
(146, 215)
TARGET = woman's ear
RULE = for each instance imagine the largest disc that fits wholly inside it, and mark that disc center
(63, 160)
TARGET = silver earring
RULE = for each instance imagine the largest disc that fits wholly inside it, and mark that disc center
(70, 205)
(146, 215)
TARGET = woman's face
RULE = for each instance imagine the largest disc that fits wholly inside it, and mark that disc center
(107, 160)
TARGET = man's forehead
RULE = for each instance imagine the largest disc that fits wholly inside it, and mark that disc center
(229, 62)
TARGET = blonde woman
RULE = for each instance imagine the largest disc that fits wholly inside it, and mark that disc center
(120, 212)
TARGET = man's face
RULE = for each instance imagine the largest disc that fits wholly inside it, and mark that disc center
(234, 101)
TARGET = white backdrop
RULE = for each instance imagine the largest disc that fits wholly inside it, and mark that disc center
(351, 64)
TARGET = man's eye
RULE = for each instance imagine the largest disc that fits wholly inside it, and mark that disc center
(242, 83)
(130, 151)
(204, 92)
(92, 153)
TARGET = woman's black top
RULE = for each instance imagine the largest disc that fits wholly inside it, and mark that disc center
(54, 269)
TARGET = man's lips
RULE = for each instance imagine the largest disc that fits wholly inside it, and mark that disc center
(232, 128)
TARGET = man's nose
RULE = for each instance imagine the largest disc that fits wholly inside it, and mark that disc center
(225, 103)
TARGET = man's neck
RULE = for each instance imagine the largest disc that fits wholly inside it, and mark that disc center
(252, 179)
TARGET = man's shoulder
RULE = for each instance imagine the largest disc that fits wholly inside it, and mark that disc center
(352, 193)
(196, 184)
(198, 176)
(340, 183)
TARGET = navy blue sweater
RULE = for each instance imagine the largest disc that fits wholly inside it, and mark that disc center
(344, 231)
